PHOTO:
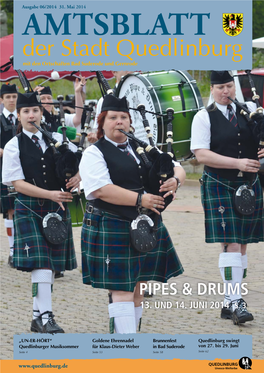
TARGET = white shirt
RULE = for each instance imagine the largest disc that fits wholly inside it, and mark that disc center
(201, 126)
(69, 119)
(94, 171)
(12, 169)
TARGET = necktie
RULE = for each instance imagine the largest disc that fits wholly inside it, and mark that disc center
(10, 117)
(123, 147)
(35, 139)
(231, 116)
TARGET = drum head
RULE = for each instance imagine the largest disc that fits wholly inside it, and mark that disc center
(159, 91)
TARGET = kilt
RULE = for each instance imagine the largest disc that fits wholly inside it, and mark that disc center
(229, 226)
(109, 262)
(31, 250)
(7, 202)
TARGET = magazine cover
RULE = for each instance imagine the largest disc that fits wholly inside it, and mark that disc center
(132, 223)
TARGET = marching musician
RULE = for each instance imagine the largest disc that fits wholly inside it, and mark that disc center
(28, 165)
(223, 141)
(8, 128)
(114, 180)
(50, 115)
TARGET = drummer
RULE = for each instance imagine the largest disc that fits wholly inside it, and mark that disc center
(29, 166)
(8, 128)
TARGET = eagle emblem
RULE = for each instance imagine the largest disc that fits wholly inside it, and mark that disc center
(232, 23)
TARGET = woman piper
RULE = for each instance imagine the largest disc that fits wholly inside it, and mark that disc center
(223, 141)
(114, 180)
(28, 165)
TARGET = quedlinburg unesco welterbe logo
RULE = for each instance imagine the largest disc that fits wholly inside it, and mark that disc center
(233, 23)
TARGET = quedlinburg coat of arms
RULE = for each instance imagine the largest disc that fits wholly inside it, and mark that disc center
(232, 23)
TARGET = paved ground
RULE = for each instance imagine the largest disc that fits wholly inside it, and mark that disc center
(82, 309)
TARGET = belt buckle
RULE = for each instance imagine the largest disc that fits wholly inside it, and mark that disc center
(88, 222)
(90, 209)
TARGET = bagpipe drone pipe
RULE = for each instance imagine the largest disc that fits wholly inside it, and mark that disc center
(162, 166)
(85, 126)
(103, 84)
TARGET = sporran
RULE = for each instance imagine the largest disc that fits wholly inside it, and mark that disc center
(54, 229)
(142, 235)
(244, 200)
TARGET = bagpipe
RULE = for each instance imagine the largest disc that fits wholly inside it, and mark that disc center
(159, 164)
(162, 166)
(66, 161)
(143, 231)
(255, 119)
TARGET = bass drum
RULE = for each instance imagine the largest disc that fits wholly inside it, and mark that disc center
(159, 91)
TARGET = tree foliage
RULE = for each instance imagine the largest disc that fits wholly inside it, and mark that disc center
(258, 16)
(7, 6)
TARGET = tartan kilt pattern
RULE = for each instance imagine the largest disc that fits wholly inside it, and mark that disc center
(7, 202)
(31, 250)
(109, 242)
(237, 228)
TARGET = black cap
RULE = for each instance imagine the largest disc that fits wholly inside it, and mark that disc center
(28, 100)
(221, 77)
(7, 88)
(46, 91)
(115, 104)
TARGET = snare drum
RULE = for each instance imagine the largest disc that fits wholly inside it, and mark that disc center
(77, 207)
(8, 195)
(159, 91)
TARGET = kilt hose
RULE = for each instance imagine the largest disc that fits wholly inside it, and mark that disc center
(7, 202)
(222, 222)
(109, 262)
(31, 250)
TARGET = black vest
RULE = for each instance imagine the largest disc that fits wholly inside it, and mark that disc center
(38, 168)
(124, 172)
(230, 141)
(8, 131)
